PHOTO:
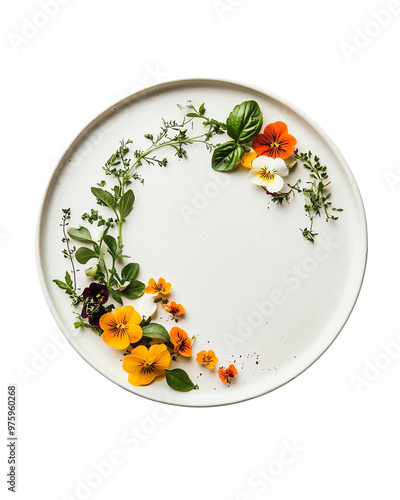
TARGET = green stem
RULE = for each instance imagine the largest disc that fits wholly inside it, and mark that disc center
(120, 232)
(164, 144)
(71, 257)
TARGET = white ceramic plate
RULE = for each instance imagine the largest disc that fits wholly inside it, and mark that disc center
(255, 291)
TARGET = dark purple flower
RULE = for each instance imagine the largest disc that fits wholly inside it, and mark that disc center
(94, 317)
(94, 296)
(97, 293)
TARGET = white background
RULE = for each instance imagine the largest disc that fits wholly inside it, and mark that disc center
(80, 436)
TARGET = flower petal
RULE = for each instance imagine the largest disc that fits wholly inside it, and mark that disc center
(276, 165)
(260, 144)
(273, 184)
(159, 356)
(138, 378)
(141, 352)
(127, 315)
(151, 288)
(107, 321)
(187, 350)
(275, 131)
(132, 361)
(135, 333)
(117, 340)
(248, 158)
(166, 286)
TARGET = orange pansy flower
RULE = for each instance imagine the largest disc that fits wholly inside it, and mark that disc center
(174, 309)
(226, 375)
(181, 341)
(121, 327)
(145, 365)
(207, 358)
(275, 141)
(159, 287)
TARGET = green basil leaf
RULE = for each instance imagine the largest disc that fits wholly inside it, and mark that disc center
(80, 234)
(134, 290)
(84, 254)
(156, 331)
(129, 272)
(126, 204)
(226, 156)
(245, 121)
(104, 196)
(179, 380)
(111, 243)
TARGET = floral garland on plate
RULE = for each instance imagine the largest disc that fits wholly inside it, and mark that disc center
(149, 349)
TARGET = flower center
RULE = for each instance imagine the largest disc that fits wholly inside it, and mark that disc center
(275, 145)
(266, 175)
(146, 368)
(119, 329)
(182, 344)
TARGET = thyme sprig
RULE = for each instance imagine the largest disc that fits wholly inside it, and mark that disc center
(280, 198)
(69, 285)
(317, 200)
(68, 252)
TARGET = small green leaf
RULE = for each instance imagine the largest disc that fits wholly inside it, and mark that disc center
(84, 254)
(80, 234)
(245, 121)
(104, 196)
(156, 331)
(202, 109)
(111, 243)
(61, 285)
(126, 204)
(179, 380)
(226, 156)
(116, 296)
(129, 272)
(134, 290)
(80, 323)
(68, 279)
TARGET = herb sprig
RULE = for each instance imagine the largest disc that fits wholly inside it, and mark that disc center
(317, 199)
(119, 199)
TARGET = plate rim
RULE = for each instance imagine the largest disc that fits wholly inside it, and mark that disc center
(182, 82)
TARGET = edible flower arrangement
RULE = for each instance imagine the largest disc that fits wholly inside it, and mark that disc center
(121, 309)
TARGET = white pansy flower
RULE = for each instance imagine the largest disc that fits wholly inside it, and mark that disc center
(268, 172)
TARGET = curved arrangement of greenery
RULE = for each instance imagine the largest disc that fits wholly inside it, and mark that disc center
(269, 156)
